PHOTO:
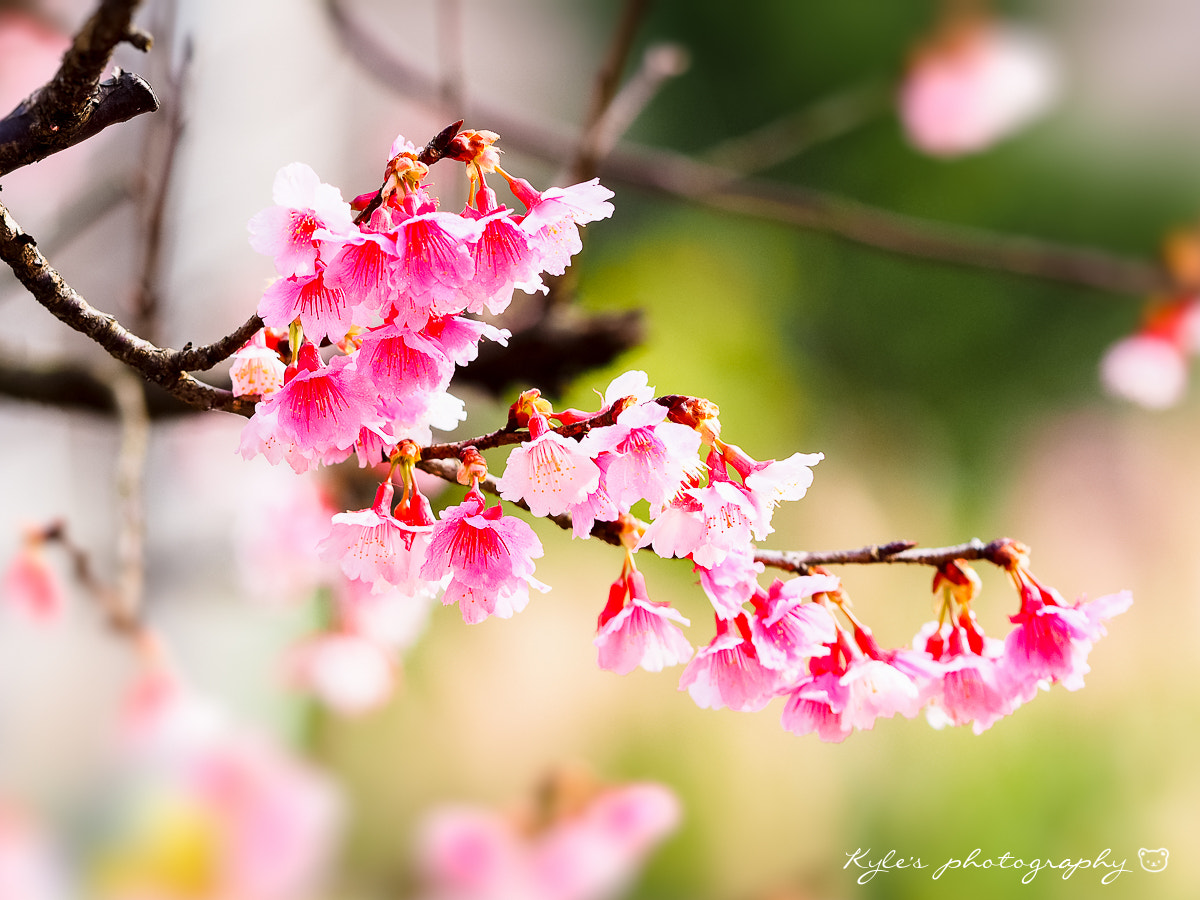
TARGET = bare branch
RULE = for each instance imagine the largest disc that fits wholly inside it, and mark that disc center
(683, 177)
(47, 286)
(608, 79)
(997, 552)
(134, 419)
(74, 105)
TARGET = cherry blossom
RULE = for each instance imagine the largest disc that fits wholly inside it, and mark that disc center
(640, 632)
(549, 472)
(303, 204)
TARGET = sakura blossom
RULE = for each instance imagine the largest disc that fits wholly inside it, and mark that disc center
(549, 472)
(640, 632)
(1146, 370)
(975, 84)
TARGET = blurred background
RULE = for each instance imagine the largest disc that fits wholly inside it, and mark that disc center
(950, 401)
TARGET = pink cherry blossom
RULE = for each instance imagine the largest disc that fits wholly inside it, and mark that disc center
(876, 689)
(815, 704)
(596, 506)
(708, 523)
(488, 555)
(323, 310)
(976, 85)
(30, 585)
(728, 671)
(731, 582)
(651, 455)
(401, 361)
(303, 205)
(361, 267)
(29, 867)
(257, 370)
(555, 215)
(323, 406)
(393, 618)
(459, 337)
(370, 545)
(549, 472)
(639, 633)
(787, 632)
(1051, 640)
(504, 260)
(1145, 369)
(432, 267)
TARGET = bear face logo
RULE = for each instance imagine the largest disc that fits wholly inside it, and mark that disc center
(1153, 860)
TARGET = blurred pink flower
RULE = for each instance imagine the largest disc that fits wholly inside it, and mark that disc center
(974, 84)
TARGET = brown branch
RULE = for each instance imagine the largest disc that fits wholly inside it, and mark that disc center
(122, 620)
(158, 365)
(998, 552)
(685, 178)
(74, 106)
(608, 79)
(134, 419)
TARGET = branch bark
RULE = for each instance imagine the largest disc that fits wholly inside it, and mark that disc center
(74, 105)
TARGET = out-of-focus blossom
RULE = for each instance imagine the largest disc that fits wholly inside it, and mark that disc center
(29, 868)
(974, 84)
(29, 584)
(591, 852)
(1148, 370)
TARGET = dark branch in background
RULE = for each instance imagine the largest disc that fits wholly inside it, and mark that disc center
(158, 365)
(726, 189)
(75, 105)
(608, 79)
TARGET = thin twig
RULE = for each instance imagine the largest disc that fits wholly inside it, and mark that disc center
(131, 514)
(688, 179)
(608, 78)
(800, 129)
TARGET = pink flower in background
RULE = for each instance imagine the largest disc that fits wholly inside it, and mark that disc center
(590, 853)
(640, 632)
(30, 585)
(974, 84)
(287, 231)
(29, 867)
(549, 472)
(1146, 369)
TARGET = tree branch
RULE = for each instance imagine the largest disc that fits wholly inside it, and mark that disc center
(74, 106)
(685, 178)
(998, 552)
(158, 365)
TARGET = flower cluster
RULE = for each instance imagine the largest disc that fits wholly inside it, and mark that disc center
(394, 288)
(390, 279)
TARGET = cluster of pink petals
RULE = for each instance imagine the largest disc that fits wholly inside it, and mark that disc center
(974, 85)
(639, 632)
(488, 556)
(1150, 368)
(475, 854)
(391, 291)
(956, 673)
